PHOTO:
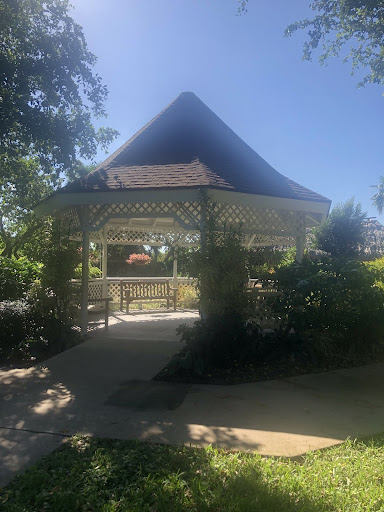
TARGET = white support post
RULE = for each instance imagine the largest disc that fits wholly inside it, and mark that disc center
(84, 273)
(300, 241)
(104, 262)
(175, 281)
(203, 245)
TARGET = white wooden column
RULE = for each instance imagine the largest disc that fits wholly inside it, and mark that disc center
(104, 262)
(175, 281)
(84, 272)
(300, 242)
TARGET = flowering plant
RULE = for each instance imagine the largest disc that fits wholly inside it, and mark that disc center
(141, 259)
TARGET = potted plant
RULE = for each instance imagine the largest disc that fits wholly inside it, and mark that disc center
(139, 259)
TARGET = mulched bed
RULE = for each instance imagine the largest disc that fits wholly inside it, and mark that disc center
(27, 361)
(251, 372)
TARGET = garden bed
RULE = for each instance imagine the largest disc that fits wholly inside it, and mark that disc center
(242, 373)
(24, 358)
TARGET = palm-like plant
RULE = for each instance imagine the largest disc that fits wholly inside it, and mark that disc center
(378, 198)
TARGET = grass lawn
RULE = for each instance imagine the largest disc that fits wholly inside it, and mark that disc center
(90, 474)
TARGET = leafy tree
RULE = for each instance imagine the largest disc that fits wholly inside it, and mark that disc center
(48, 90)
(20, 230)
(354, 28)
(343, 233)
(378, 198)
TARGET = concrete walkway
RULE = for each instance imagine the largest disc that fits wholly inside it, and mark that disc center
(102, 387)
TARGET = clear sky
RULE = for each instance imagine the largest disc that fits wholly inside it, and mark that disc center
(308, 121)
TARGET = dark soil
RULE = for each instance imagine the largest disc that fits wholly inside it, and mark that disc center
(27, 360)
(242, 373)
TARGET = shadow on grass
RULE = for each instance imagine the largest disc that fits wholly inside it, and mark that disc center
(105, 475)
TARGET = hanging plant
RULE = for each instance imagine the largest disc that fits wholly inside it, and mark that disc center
(139, 259)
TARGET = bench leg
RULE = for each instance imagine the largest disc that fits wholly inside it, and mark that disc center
(167, 303)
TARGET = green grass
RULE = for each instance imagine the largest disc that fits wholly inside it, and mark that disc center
(108, 475)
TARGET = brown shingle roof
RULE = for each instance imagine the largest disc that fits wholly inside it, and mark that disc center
(185, 146)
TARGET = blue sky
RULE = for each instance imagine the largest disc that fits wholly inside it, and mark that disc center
(310, 122)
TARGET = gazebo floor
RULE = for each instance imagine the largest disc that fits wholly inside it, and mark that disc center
(155, 325)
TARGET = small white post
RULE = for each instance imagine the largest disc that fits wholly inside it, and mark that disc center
(175, 281)
(104, 262)
(300, 240)
(84, 273)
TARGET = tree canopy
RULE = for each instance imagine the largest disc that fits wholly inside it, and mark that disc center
(378, 198)
(352, 28)
(343, 233)
(48, 90)
(49, 96)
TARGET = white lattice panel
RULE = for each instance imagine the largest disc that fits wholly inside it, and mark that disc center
(269, 221)
(94, 290)
(71, 220)
(274, 224)
(114, 291)
(188, 213)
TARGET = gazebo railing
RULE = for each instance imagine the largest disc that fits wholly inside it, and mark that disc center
(186, 286)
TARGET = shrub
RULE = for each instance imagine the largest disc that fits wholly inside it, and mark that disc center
(60, 258)
(334, 299)
(220, 267)
(187, 296)
(93, 272)
(215, 342)
(16, 276)
(27, 330)
(20, 328)
(343, 233)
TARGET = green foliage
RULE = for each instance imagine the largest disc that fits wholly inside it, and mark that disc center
(60, 257)
(16, 277)
(220, 266)
(20, 328)
(48, 88)
(110, 475)
(215, 342)
(28, 333)
(343, 233)
(335, 304)
(261, 261)
(93, 272)
(352, 27)
(378, 198)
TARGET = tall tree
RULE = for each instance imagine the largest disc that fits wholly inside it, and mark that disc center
(29, 185)
(343, 233)
(351, 28)
(48, 90)
(378, 198)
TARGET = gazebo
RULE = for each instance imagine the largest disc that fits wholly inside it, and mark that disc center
(149, 190)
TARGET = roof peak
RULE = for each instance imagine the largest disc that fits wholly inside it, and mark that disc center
(188, 145)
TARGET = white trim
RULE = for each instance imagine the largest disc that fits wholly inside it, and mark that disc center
(60, 201)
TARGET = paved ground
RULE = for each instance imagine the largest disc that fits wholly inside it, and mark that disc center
(102, 387)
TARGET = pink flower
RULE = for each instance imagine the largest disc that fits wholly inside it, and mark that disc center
(144, 259)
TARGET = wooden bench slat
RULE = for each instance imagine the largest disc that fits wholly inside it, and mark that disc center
(145, 291)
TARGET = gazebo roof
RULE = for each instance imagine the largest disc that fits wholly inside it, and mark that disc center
(187, 146)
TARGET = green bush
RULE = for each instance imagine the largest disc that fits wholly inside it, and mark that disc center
(93, 272)
(215, 342)
(27, 331)
(336, 300)
(20, 329)
(16, 277)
